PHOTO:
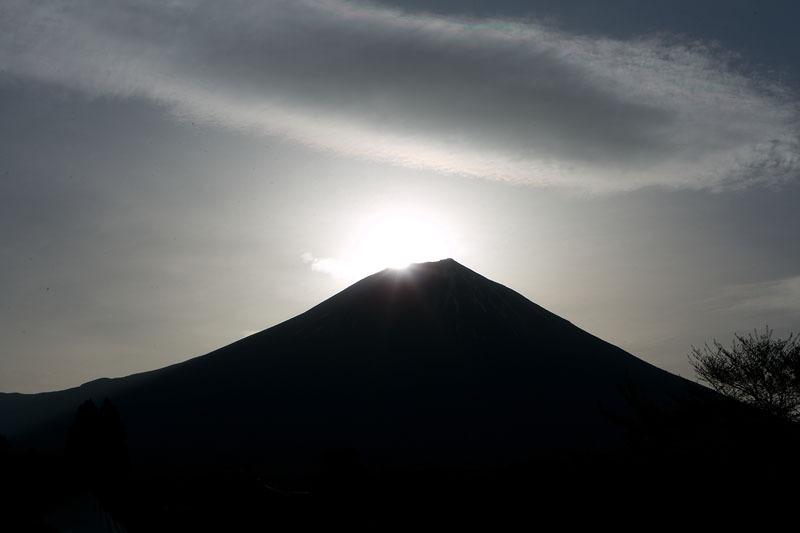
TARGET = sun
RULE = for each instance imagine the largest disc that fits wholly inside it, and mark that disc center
(390, 238)
(395, 239)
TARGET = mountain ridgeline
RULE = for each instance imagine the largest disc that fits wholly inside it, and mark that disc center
(433, 364)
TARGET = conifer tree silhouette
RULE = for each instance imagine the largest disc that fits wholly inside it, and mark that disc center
(97, 448)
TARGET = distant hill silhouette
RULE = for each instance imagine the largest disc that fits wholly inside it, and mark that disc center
(433, 364)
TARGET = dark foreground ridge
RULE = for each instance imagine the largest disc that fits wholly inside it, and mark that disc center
(411, 387)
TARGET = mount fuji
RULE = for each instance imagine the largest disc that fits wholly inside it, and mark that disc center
(432, 364)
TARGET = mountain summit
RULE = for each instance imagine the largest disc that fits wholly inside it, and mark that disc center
(430, 364)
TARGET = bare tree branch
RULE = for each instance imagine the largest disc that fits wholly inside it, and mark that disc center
(757, 369)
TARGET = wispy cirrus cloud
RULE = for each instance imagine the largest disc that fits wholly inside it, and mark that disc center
(326, 265)
(504, 100)
(780, 295)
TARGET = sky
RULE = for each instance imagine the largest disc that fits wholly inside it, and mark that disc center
(176, 175)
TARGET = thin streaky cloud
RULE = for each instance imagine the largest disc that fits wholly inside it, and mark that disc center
(781, 295)
(326, 265)
(503, 100)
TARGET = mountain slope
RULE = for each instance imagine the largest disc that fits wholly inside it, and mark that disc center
(432, 364)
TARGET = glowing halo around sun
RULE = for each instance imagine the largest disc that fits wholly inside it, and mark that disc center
(395, 239)
(390, 238)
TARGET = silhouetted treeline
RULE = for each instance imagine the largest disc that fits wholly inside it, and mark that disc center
(707, 461)
(95, 461)
(716, 453)
(96, 447)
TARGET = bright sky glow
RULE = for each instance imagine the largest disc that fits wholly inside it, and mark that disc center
(398, 239)
(390, 239)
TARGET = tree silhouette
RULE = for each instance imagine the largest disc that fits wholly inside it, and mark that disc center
(112, 441)
(97, 446)
(83, 443)
(756, 369)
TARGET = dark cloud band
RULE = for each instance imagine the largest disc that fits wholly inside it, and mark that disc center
(502, 100)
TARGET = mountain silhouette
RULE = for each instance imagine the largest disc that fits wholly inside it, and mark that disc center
(432, 364)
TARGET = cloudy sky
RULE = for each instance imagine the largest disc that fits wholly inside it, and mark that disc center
(177, 175)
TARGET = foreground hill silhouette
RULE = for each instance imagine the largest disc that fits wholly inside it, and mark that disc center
(426, 394)
(433, 363)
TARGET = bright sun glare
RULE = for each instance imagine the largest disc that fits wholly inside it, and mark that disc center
(397, 239)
